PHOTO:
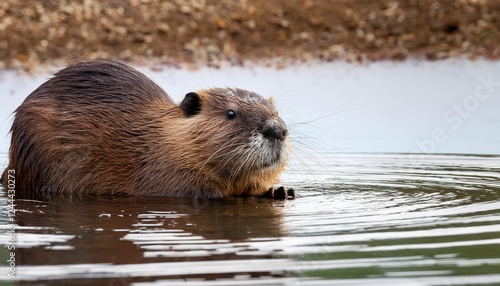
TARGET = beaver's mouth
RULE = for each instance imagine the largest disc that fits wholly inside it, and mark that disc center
(278, 159)
(271, 153)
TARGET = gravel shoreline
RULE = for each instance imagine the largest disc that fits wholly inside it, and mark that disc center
(214, 33)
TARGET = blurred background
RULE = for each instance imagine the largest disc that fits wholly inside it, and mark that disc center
(211, 32)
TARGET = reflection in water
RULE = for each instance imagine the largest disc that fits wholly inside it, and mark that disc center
(359, 220)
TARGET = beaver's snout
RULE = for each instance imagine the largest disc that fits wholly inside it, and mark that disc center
(274, 130)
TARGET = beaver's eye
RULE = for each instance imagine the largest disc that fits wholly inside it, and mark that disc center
(231, 114)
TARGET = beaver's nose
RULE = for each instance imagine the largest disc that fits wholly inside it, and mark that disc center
(274, 130)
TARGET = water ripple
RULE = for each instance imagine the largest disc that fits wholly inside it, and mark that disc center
(360, 219)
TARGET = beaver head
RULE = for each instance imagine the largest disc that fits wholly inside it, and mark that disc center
(235, 136)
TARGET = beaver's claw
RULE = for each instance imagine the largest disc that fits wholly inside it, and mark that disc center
(280, 193)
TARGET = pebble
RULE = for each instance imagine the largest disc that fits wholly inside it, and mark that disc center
(218, 33)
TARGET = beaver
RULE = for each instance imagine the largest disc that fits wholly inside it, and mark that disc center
(103, 128)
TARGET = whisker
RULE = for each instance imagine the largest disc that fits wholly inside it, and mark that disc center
(319, 118)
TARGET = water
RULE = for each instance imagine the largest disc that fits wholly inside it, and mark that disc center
(360, 219)
(380, 107)
(364, 215)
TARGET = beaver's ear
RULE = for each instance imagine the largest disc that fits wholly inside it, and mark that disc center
(271, 100)
(191, 105)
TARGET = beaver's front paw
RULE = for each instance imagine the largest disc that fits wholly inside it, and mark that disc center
(280, 193)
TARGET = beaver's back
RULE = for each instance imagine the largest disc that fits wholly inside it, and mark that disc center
(91, 119)
(105, 82)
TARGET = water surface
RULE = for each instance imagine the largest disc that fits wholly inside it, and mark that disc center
(360, 219)
(367, 217)
(378, 107)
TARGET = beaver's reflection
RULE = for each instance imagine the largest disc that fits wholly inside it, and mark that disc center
(122, 230)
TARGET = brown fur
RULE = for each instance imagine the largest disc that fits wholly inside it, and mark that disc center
(101, 127)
